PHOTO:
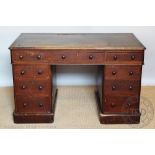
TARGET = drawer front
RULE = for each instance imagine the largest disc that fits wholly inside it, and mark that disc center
(31, 71)
(123, 87)
(91, 58)
(59, 57)
(27, 87)
(119, 72)
(76, 58)
(124, 58)
(121, 104)
(32, 104)
(62, 57)
(24, 56)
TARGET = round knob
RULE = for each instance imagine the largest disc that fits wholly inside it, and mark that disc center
(90, 57)
(40, 72)
(131, 73)
(38, 57)
(113, 87)
(112, 104)
(20, 57)
(63, 57)
(22, 72)
(24, 104)
(113, 73)
(40, 104)
(23, 87)
(40, 87)
(130, 87)
(129, 104)
(115, 57)
(132, 57)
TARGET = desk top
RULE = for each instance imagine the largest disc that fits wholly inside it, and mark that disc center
(105, 41)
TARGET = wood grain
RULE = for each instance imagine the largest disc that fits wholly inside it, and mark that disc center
(34, 58)
(105, 41)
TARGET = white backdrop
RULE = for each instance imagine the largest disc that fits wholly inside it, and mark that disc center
(77, 75)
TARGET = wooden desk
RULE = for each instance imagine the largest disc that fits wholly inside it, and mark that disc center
(119, 58)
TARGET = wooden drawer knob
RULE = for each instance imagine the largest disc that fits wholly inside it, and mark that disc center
(24, 104)
(113, 87)
(38, 57)
(40, 105)
(115, 57)
(130, 87)
(131, 73)
(21, 57)
(90, 57)
(40, 87)
(132, 57)
(40, 72)
(129, 104)
(113, 104)
(63, 57)
(23, 87)
(114, 73)
(22, 72)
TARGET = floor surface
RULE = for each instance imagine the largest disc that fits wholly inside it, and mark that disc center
(76, 108)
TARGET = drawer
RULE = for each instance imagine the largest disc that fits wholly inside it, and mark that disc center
(121, 87)
(59, 57)
(30, 87)
(91, 58)
(23, 56)
(121, 104)
(62, 57)
(120, 72)
(31, 71)
(32, 104)
(124, 58)
(76, 57)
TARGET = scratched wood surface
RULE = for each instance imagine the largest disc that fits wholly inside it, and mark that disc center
(105, 41)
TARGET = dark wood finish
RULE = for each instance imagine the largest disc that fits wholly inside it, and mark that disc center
(34, 58)
(120, 118)
(29, 56)
(33, 87)
(32, 92)
(117, 117)
(33, 118)
(123, 87)
(129, 58)
(121, 72)
(31, 71)
(105, 41)
(32, 104)
(120, 104)
(58, 56)
(100, 86)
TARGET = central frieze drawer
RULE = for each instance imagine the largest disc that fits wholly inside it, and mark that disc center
(76, 58)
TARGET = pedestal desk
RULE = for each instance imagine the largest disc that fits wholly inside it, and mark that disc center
(119, 58)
